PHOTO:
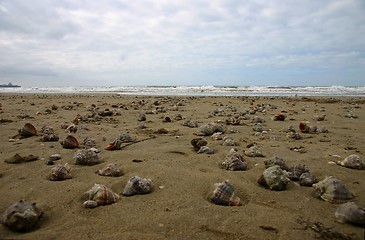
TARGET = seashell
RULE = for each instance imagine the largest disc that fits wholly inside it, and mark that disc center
(253, 151)
(294, 135)
(305, 128)
(70, 142)
(320, 117)
(72, 128)
(351, 213)
(60, 172)
(234, 161)
(19, 159)
(21, 216)
(110, 170)
(100, 195)
(276, 161)
(296, 171)
(55, 157)
(227, 141)
(47, 130)
(49, 138)
(27, 130)
(209, 129)
(206, 149)
(279, 117)
(223, 194)
(190, 123)
(258, 119)
(142, 117)
(126, 138)
(89, 142)
(116, 145)
(259, 127)
(274, 178)
(86, 157)
(307, 179)
(137, 185)
(353, 161)
(198, 143)
(332, 190)
(218, 136)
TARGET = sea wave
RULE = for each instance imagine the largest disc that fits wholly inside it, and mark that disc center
(205, 90)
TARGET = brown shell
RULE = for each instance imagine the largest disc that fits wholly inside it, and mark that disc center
(276, 161)
(332, 190)
(70, 142)
(86, 157)
(274, 178)
(60, 172)
(279, 117)
(234, 161)
(304, 128)
(223, 194)
(198, 142)
(27, 130)
(110, 170)
(351, 213)
(116, 145)
(21, 216)
(101, 195)
(296, 171)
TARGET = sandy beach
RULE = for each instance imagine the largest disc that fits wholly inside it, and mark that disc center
(179, 206)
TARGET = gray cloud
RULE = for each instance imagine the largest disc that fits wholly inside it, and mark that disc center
(127, 42)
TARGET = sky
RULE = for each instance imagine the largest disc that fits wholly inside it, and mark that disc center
(186, 42)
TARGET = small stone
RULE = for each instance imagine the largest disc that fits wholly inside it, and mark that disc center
(55, 157)
(50, 162)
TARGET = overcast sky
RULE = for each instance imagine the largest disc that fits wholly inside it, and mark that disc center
(187, 42)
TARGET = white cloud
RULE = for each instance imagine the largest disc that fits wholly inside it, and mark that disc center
(122, 40)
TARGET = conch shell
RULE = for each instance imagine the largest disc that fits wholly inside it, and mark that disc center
(70, 142)
(332, 190)
(209, 129)
(234, 161)
(350, 213)
(307, 179)
(86, 157)
(60, 172)
(27, 130)
(100, 195)
(137, 185)
(276, 161)
(223, 194)
(110, 170)
(21, 216)
(353, 161)
(274, 178)
(198, 143)
(296, 171)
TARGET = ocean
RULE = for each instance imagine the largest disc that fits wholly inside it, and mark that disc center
(200, 90)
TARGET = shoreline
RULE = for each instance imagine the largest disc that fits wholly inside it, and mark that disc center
(178, 207)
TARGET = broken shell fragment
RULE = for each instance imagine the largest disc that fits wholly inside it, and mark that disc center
(353, 161)
(21, 216)
(110, 170)
(70, 142)
(223, 194)
(86, 157)
(100, 195)
(137, 185)
(351, 213)
(332, 190)
(60, 172)
(274, 178)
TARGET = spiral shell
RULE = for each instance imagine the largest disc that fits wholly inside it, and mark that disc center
(296, 171)
(353, 161)
(86, 157)
(223, 194)
(332, 190)
(70, 142)
(60, 172)
(253, 151)
(100, 195)
(27, 130)
(276, 161)
(206, 150)
(234, 161)
(198, 143)
(306, 128)
(137, 185)
(21, 216)
(274, 178)
(279, 117)
(110, 170)
(209, 129)
(351, 213)
(307, 179)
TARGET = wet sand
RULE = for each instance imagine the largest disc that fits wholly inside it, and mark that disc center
(178, 207)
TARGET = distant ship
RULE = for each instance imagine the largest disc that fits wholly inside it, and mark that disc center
(9, 85)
